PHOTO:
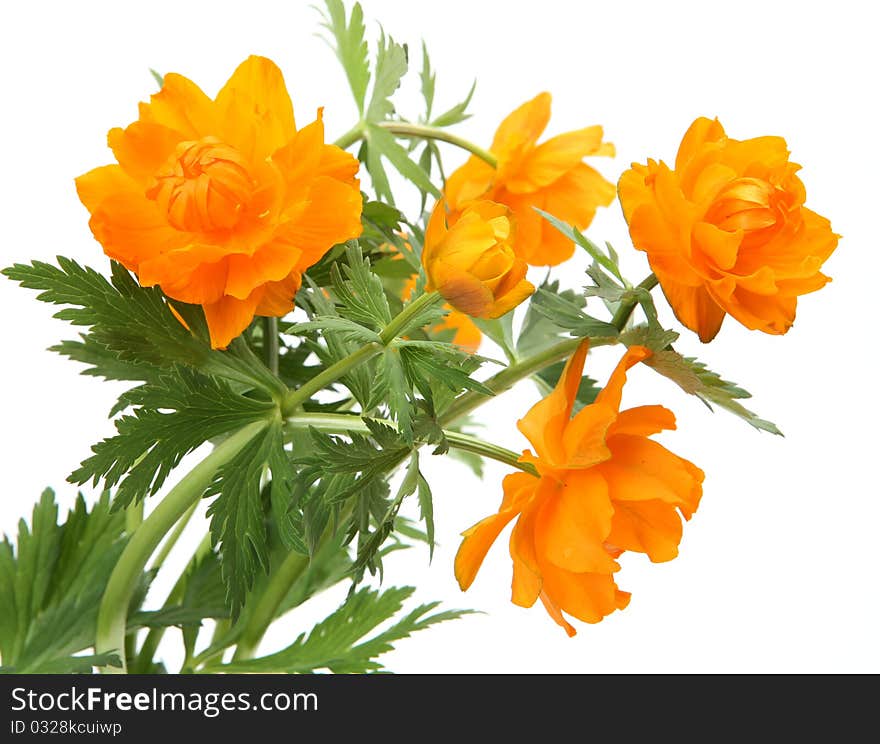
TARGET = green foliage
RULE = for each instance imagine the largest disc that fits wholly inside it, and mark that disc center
(170, 418)
(132, 329)
(237, 514)
(391, 65)
(350, 46)
(51, 586)
(695, 378)
(339, 644)
(607, 259)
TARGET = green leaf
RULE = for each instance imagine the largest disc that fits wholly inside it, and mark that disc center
(360, 292)
(84, 664)
(457, 113)
(51, 586)
(584, 242)
(170, 419)
(426, 508)
(135, 325)
(338, 643)
(347, 329)
(695, 378)
(237, 514)
(398, 390)
(158, 77)
(381, 142)
(428, 78)
(500, 330)
(569, 316)
(391, 66)
(651, 337)
(350, 46)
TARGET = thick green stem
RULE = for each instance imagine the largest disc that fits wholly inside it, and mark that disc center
(270, 343)
(169, 544)
(113, 612)
(627, 306)
(420, 131)
(295, 398)
(264, 612)
(154, 637)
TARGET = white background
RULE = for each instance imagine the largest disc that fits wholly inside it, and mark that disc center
(778, 569)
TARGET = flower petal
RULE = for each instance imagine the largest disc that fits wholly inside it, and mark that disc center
(254, 109)
(518, 489)
(652, 527)
(574, 522)
(228, 317)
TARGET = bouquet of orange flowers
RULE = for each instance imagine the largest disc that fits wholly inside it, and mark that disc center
(266, 298)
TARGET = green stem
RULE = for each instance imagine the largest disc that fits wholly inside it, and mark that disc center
(169, 544)
(154, 637)
(421, 131)
(113, 612)
(264, 612)
(295, 398)
(270, 343)
(400, 321)
(627, 306)
(343, 423)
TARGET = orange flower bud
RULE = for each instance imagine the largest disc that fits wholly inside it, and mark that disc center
(471, 262)
(727, 231)
(223, 203)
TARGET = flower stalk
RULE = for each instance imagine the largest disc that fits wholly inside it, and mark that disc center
(419, 131)
(113, 611)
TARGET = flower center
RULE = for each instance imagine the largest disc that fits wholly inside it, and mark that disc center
(748, 204)
(204, 186)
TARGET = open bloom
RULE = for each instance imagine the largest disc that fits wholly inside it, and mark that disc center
(603, 487)
(726, 231)
(223, 203)
(469, 260)
(551, 176)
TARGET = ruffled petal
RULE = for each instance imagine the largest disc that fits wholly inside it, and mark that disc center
(254, 109)
(652, 527)
(611, 394)
(518, 489)
(182, 107)
(545, 422)
(228, 317)
(574, 522)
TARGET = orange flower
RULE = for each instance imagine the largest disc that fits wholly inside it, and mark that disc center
(727, 230)
(465, 331)
(469, 260)
(551, 176)
(223, 203)
(603, 487)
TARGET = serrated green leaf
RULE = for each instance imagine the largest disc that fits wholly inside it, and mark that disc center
(170, 418)
(336, 643)
(569, 316)
(426, 508)
(84, 664)
(51, 586)
(237, 513)
(391, 66)
(428, 79)
(360, 292)
(398, 390)
(695, 378)
(584, 242)
(651, 337)
(347, 329)
(381, 142)
(136, 325)
(457, 113)
(350, 46)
